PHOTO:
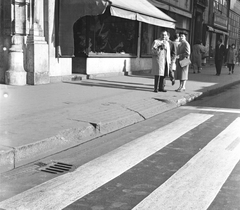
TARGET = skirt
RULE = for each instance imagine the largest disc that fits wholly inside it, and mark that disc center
(181, 73)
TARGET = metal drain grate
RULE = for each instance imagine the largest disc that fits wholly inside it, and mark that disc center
(55, 167)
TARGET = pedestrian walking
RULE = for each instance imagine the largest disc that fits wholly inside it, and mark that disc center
(183, 51)
(231, 58)
(197, 55)
(239, 57)
(161, 60)
(219, 56)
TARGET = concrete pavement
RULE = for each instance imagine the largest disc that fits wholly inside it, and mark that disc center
(37, 121)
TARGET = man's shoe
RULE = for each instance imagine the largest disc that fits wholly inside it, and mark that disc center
(162, 90)
(155, 91)
(173, 82)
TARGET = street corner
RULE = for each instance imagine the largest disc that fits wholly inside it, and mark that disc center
(6, 159)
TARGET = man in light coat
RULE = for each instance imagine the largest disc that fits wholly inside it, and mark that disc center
(161, 60)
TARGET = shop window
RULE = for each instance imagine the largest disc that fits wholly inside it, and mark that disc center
(96, 35)
(147, 38)
(149, 34)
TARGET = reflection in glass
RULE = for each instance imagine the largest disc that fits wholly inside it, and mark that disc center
(104, 34)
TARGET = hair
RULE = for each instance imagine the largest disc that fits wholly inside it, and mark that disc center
(198, 41)
(165, 30)
(220, 40)
(176, 36)
(182, 33)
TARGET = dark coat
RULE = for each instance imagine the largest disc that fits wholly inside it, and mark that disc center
(219, 52)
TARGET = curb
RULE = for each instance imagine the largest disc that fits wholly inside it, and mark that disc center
(11, 158)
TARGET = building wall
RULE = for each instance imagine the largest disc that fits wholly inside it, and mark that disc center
(235, 23)
(5, 38)
(57, 66)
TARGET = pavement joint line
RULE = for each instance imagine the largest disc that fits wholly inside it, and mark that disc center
(122, 105)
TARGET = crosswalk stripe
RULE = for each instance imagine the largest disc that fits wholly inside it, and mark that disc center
(211, 109)
(198, 182)
(64, 190)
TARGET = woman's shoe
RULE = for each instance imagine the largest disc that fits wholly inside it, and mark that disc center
(232, 71)
(180, 90)
(229, 73)
(194, 72)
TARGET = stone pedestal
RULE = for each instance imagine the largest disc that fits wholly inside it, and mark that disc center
(37, 58)
(15, 75)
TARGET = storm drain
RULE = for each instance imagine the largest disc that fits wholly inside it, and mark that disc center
(55, 167)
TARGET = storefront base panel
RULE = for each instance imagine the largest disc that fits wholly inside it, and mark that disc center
(60, 66)
(117, 65)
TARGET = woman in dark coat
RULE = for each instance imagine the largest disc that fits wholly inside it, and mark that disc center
(183, 52)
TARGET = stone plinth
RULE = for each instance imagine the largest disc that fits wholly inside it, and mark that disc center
(37, 62)
(15, 75)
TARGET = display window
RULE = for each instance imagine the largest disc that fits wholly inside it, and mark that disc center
(101, 34)
(147, 39)
(149, 34)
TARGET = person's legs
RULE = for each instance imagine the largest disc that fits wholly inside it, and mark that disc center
(220, 67)
(216, 66)
(180, 85)
(161, 84)
(194, 65)
(183, 84)
(199, 69)
(233, 66)
(171, 76)
(229, 68)
(156, 82)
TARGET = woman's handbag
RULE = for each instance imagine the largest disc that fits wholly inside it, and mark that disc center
(185, 62)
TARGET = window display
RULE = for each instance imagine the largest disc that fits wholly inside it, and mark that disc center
(105, 34)
(147, 39)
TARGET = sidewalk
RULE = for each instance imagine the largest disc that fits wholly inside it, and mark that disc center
(37, 121)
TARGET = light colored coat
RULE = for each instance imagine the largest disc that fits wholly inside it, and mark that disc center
(184, 51)
(197, 52)
(232, 56)
(160, 58)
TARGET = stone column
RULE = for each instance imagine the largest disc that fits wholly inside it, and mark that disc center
(16, 75)
(37, 47)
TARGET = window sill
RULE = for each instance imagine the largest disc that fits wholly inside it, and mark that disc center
(111, 55)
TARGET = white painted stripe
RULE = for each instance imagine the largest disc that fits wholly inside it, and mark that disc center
(197, 183)
(211, 109)
(64, 190)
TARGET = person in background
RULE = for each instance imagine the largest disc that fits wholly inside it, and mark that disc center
(219, 56)
(231, 58)
(239, 57)
(197, 51)
(173, 46)
(183, 51)
(161, 60)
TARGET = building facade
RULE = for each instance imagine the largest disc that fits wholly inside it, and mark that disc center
(181, 11)
(42, 41)
(234, 23)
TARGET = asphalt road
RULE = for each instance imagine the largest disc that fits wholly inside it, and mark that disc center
(190, 160)
(229, 98)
